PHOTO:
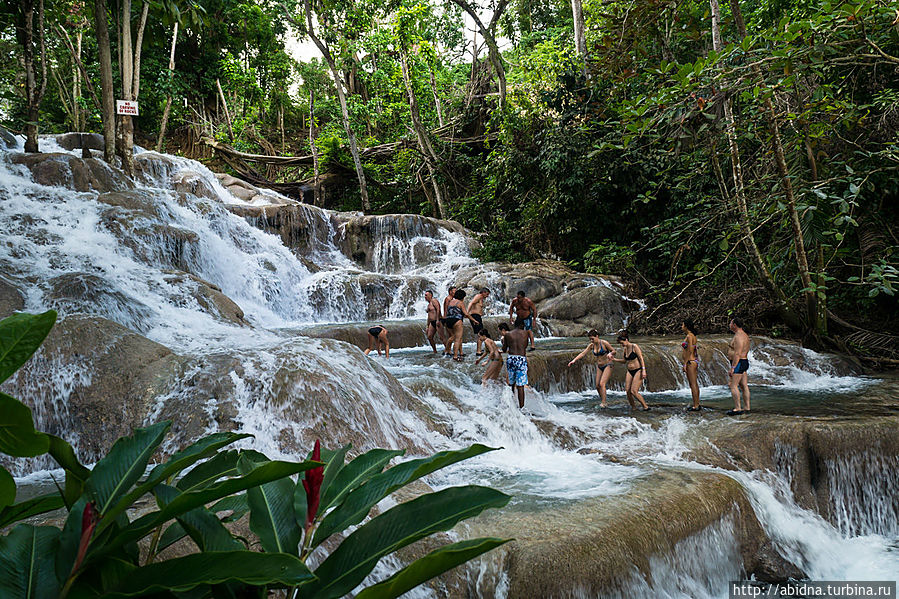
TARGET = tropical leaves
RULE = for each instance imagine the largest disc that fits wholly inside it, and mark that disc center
(96, 552)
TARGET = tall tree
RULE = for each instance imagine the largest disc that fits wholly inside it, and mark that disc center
(341, 96)
(129, 63)
(168, 96)
(580, 36)
(488, 32)
(107, 94)
(30, 31)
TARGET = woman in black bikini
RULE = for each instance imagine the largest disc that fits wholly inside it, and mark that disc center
(377, 336)
(690, 357)
(604, 352)
(455, 312)
(636, 370)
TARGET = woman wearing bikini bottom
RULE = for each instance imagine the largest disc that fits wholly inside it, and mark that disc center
(690, 358)
(636, 370)
(603, 352)
(377, 336)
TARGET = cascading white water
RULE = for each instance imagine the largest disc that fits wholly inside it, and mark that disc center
(863, 499)
(121, 257)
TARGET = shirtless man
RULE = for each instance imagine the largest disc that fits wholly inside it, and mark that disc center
(434, 314)
(476, 312)
(445, 333)
(739, 364)
(494, 358)
(515, 343)
(525, 312)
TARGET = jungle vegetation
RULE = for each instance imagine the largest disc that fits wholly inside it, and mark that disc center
(722, 158)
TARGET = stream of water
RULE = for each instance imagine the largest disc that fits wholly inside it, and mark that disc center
(562, 449)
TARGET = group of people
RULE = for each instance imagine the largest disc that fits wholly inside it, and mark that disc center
(604, 353)
(446, 321)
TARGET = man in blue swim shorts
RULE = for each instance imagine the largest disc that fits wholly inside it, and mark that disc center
(525, 313)
(515, 344)
(739, 365)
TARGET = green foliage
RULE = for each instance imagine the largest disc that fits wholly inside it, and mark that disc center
(96, 554)
(610, 258)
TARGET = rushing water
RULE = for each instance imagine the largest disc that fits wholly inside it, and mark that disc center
(562, 449)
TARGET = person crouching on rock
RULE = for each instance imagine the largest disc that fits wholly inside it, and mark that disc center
(493, 356)
(515, 345)
(377, 336)
(604, 353)
(690, 357)
(636, 370)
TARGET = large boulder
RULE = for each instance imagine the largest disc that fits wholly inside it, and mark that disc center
(596, 307)
(88, 293)
(65, 170)
(618, 545)
(7, 140)
(93, 381)
(11, 300)
(78, 141)
(209, 297)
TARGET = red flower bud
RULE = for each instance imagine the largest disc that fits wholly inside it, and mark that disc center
(313, 485)
(89, 519)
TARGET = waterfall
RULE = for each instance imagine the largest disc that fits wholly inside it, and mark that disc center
(221, 288)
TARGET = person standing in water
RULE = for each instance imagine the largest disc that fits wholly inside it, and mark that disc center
(690, 358)
(739, 365)
(493, 356)
(636, 370)
(515, 345)
(446, 333)
(476, 312)
(525, 312)
(433, 318)
(604, 353)
(377, 336)
(455, 312)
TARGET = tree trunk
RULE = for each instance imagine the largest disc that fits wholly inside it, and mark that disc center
(817, 324)
(218, 86)
(487, 33)
(580, 38)
(344, 112)
(316, 184)
(76, 82)
(168, 100)
(436, 96)
(421, 133)
(106, 91)
(27, 31)
(737, 175)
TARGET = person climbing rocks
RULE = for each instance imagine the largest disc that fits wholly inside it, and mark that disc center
(690, 358)
(636, 370)
(492, 355)
(476, 310)
(603, 351)
(739, 365)
(515, 343)
(377, 336)
(434, 315)
(525, 312)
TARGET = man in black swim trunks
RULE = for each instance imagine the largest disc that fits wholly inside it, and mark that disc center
(433, 318)
(476, 314)
(377, 336)
(739, 365)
